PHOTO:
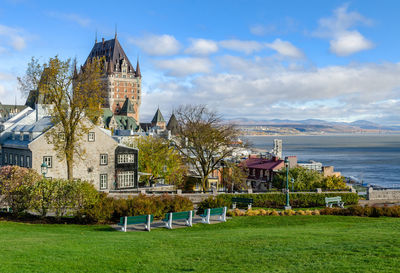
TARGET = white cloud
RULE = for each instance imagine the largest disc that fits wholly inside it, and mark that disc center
(285, 48)
(248, 47)
(344, 40)
(157, 45)
(12, 37)
(202, 47)
(349, 43)
(261, 30)
(180, 67)
(265, 90)
(72, 17)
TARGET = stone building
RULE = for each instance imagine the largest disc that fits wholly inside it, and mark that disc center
(108, 165)
(123, 81)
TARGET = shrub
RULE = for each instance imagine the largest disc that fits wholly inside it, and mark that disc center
(42, 199)
(16, 187)
(297, 200)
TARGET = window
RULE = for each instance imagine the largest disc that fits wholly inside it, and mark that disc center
(126, 179)
(61, 136)
(91, 137)
(28, 161)
(11, 157)
(103, 159)
(103, 181)
(48, 160)
(5, 158)
(16, 160)
(126, 158)
(22, 161)
(21, 136)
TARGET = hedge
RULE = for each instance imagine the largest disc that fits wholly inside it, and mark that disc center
(278, 200)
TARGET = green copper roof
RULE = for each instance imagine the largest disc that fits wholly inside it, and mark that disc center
(126, 123)
(127, 107)
(158, 117)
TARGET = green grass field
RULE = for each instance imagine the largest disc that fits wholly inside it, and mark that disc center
(243, 244)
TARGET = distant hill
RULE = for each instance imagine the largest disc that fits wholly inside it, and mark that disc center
(313, 126)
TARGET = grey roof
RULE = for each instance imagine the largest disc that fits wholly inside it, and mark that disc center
(158, 117)
(113, 53)
(38, 127)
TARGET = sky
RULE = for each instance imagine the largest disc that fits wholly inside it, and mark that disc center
(261, 60)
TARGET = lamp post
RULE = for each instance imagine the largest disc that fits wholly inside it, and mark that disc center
(287, 184)
(43, 169)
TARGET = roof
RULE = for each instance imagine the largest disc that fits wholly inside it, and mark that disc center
(37, 127)
(126, 123)
(6, 109)
(158, 117)
(173, 124)
(264, 164)
(107, 115)
(127, 107)
(113, 53)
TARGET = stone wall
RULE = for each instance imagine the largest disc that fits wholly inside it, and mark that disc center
(88, 167)
(382, 194)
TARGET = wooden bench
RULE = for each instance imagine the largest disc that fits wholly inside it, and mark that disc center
(221, 212)
(329, 201)
(247, 201)
(182, 215)
(134, 220)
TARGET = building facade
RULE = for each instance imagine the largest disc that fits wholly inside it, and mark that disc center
(123, 81)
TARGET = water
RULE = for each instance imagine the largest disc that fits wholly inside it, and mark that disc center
(373, 159)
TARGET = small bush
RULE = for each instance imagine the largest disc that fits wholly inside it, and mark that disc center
(213, 202)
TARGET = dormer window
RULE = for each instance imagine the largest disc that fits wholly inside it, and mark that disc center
(30, 136)
(21, 136)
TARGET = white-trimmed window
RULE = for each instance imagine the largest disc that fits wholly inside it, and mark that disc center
(61, 136)
(103, 181)
(126, 158)
(16, 160)
(91, 136)
(5, 158)
(11, 159)
(21, 161)
(103, 159)
(126, 179)
(28, 161)
(48, 160)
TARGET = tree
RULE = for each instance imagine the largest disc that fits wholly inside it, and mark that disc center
(30, 81)
(234, 176)
(16, 187)
(72, 95)
(203, 139)
(159, 159)
(305, 179)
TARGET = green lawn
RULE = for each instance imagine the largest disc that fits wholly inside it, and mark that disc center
(243, 244)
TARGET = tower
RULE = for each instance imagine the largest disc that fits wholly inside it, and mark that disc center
(277, 150)
(123, 81)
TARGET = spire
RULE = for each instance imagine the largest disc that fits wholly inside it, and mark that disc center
(95, 38)
(138, 74)
(158, 117)
(115, 32)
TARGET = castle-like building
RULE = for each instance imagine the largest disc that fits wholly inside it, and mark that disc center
(123, 81)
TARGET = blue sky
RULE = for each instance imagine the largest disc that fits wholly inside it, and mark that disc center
(332, 60)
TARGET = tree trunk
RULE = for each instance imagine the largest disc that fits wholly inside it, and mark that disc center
(70, 162)
(204, 183)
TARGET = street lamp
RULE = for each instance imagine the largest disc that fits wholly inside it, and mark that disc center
(287, 184)
(43, 168)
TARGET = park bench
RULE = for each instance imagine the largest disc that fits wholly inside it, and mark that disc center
(134, 220)
(183, 215)
(329, 201)
(221, 212)
(239, 200)
(6, 209)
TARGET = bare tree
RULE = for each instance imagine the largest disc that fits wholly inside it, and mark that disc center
(30, 81)
(203, 139)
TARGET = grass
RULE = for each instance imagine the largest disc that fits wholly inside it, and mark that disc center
(243, 244)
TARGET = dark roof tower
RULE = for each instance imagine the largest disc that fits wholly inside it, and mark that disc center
(127, 108)
(138, 74)
(173, 124)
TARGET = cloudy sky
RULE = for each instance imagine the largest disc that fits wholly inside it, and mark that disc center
(332, 60)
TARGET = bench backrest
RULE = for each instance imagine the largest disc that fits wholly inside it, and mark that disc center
(180, 215)
(132, 220)
(333, 199)
(242, 200)
(216, 211)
